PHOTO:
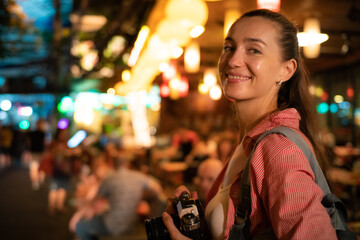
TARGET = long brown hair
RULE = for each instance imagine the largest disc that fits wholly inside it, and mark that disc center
(295, 92)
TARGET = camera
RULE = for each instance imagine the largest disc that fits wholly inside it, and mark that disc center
(186, 219)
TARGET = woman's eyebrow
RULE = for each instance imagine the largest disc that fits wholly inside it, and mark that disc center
(248, 40)
(255, 40)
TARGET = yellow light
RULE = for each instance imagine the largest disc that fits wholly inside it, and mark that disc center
(163, 66)
(155, 107)
(319, 91)
(111, 91)
(195, 11)
(312, 89)
(139, 118)
(210, 77)
(311, 38)
(106, 72)
(89, 60)
(306, 39)
(192, 57)
(178, 51)
(174, 83)
(197, 31)
(338, 98)
(203, 88)
(126, 75)
(87, 23)
(231, 15)
(215, 92)
(176, 31)
(138, 45)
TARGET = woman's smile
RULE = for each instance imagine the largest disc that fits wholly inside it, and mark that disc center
(235, 78)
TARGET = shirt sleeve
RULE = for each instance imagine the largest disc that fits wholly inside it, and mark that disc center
(285, 184)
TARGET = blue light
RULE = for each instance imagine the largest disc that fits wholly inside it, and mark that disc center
(75, 140)
(2, 81)
(322, 108)
(344, 105)
(333, 108)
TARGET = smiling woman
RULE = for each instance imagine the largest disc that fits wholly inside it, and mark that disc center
(261, 70)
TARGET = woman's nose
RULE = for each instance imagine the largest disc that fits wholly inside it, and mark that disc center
(236, 59)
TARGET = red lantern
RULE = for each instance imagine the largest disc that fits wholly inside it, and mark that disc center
(184, 87)
(273, 5)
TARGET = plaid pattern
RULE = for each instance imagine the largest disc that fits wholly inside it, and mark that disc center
(283, 191)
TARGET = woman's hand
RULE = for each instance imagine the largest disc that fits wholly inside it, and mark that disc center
(175, 234)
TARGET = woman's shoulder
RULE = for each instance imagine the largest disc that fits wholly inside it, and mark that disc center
(276, 152)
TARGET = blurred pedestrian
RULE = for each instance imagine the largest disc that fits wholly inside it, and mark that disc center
(37, 147)
(60, 163)
(114, 209)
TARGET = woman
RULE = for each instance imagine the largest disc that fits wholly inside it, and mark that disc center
(261, 70)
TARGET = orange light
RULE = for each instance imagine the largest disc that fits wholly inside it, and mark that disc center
(324, 96)
(350, 92)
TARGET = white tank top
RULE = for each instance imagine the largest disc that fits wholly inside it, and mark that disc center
(216, 212)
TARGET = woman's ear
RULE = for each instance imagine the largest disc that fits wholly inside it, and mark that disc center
(289, 69)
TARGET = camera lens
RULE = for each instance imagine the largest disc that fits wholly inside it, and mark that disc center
(156, 229)
(190, 222)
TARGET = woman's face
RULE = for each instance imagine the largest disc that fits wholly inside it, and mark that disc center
(250, 65)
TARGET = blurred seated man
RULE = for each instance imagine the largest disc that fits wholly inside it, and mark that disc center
(114, 209)
(183, 141)
(207, 172)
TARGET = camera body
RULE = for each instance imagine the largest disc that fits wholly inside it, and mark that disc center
(187, 219)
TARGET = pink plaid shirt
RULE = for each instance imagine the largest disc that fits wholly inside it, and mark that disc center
(283, 191)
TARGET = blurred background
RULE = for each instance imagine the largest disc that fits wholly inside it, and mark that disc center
(141, 75)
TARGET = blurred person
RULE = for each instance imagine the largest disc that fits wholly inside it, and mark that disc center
(6, 136)
(262, 72)
(201, 151)
(114, 209)
(225, 147)
(183, 141)
(37, 147)
(19, 149)
(207, 172)
(87, 187)
(59, 160)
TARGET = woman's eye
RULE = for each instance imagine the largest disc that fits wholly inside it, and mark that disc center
(228, 48)
(254, 51)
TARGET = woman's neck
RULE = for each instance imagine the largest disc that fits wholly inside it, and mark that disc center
(250, 114)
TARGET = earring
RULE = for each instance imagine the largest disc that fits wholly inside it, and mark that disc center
(279, 83)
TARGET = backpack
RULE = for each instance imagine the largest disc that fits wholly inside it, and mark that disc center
(334, 206)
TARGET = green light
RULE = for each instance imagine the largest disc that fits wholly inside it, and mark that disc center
(66, 105)
(322, 108)
(24, 124)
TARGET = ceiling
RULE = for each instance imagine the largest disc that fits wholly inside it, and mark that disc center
(340, 19)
